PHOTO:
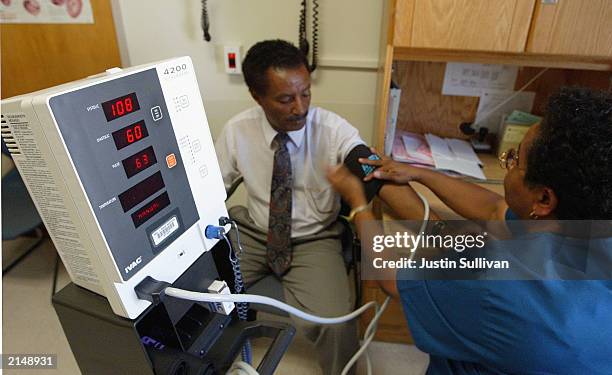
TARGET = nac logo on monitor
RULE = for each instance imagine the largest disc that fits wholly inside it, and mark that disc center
(133, 265)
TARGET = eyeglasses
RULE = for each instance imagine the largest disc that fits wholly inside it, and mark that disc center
(509, 159)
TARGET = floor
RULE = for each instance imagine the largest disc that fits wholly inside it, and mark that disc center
(30, 325)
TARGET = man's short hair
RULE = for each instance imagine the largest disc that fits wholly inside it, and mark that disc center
(572, 154)
(269, 54)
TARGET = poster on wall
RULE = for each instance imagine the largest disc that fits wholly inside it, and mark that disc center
(45, 11)
(469, 79)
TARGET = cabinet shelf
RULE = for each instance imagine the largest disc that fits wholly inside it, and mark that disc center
(506, 58)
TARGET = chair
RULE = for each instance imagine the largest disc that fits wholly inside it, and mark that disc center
(270, 286)
(19, 215)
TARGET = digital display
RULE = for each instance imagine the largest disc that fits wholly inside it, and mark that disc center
(118, 107)
(139, 161)
(141, 191)
(130, 134)
(150, 209)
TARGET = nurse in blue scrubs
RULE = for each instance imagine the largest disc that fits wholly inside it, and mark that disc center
(562, 170)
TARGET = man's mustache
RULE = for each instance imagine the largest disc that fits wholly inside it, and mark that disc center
(297, 118)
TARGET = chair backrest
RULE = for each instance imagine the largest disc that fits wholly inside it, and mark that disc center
(233, 188)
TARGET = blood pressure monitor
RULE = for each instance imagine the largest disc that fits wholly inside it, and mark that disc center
(122, 168)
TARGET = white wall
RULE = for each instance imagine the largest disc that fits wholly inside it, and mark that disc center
(349, 31)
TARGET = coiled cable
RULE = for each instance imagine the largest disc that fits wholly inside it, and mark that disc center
(315, 34)
(242, 308)
(303, 41)
(205, 21)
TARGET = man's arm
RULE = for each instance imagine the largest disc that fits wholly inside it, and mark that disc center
(351, 190)
(402, 198)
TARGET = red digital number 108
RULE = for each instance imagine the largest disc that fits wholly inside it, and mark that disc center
(122, 106)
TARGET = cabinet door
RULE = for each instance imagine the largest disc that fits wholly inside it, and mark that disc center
(572, 27)
(485, 25)
(36, 56)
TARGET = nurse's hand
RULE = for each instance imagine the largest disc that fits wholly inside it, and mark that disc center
(347, 185)
(400, 173)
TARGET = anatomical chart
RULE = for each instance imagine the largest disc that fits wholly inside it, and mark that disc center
(45, 11)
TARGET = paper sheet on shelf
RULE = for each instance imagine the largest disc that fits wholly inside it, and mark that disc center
(463, 150)
(439, 146)
(455, 155)
(461, 166)
(491, 98)
(468, 79)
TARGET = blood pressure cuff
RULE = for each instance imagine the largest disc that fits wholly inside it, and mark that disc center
(361, 170)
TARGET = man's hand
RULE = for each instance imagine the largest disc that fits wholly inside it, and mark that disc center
(400, 173)
(347, 185)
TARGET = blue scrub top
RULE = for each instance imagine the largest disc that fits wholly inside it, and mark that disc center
(517, 327)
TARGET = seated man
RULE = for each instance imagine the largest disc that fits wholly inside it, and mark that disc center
(281, 149)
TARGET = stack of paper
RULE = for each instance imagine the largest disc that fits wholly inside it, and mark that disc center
(444, 154)
(455, 155)
(412, 148)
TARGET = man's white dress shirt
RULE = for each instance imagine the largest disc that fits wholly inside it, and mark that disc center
(244, 148)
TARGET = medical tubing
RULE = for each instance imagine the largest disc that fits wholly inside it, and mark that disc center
(368, 336)
(371, 329)
(241, 308)
(367, 339)
(251, 298)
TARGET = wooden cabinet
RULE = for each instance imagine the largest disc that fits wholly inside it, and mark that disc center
(547, 27)
(572, 27)
(485, 25)
(36, 56)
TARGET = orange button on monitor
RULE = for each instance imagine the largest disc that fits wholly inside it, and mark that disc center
(171, 160)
